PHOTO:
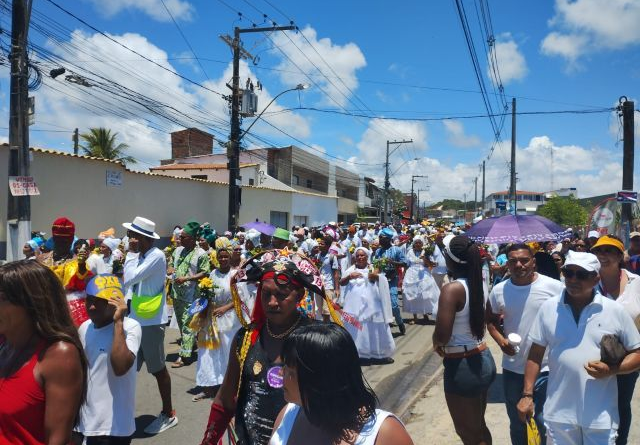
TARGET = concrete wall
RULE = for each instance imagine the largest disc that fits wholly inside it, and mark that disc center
(318, 209)
(76, 187)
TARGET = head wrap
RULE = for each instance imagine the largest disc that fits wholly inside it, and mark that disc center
(208, 234)
(352, 230)
(364, 249)
(111, 243)
(223, 243)
(228, 234)
(254, 236)
(417, 238)
(330, 231)
(240, 234)
(63, 227)
(192, 228)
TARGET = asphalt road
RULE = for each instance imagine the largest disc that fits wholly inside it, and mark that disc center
(398, 386)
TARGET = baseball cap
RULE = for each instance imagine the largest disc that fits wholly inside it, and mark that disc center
(587, 261)
(633, 235)
(593, 234)
(105, 286)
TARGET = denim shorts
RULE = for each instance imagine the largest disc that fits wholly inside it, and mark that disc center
(470, 376)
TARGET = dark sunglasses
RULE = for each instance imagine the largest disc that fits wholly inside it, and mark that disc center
(579, 274)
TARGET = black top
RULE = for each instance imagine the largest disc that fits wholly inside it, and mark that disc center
(261, 396)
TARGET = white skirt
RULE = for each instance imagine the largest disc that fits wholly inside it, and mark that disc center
(374, 340)
(212, 363)
(420, 292)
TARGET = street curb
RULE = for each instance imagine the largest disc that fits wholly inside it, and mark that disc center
(431, 358)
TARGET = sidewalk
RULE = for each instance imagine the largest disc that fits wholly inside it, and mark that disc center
(430, 418)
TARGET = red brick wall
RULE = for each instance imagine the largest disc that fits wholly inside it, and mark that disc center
(190, 142)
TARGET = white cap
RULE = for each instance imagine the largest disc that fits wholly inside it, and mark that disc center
(587, 261)
(593, 234)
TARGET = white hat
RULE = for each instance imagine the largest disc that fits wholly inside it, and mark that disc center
(111, 243)
(142, 226)
(587, 261)
(593, 234)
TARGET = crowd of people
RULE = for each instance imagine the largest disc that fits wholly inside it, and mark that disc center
(277, 324)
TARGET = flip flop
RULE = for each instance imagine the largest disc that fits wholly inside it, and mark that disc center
(199, 397)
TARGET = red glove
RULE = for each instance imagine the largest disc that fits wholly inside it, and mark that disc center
(216, 426)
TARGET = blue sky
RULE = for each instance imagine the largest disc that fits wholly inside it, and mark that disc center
(374, 58)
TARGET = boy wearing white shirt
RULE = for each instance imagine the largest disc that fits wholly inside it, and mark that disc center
(111, 342)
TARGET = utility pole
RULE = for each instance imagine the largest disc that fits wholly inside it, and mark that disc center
(483, 189)
(75, 141)
(464, 215)
(513, 198)
(627, 108)
(475, 199)
(233, 147)
(413, 180)
(19, 207)
(386, 177)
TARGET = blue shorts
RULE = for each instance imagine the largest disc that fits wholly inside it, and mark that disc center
(470, 376)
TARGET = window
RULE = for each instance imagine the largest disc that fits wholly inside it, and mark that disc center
(299, 220)
(199, 177)
(296, 180)
(309, 184)
(251, 181)
(279, 219)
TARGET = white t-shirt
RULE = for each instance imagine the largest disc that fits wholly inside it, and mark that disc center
(111, 400)
(630, 298)
(519, 305)
(573, 396)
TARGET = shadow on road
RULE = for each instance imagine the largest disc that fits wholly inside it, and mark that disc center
(141, 423)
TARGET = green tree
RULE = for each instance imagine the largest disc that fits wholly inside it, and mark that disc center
(101, 143)
(565, 211)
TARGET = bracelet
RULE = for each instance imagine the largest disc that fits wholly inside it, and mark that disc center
(526, 395)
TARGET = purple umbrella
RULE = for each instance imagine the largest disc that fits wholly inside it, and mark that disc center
(261, 227)
(517, 229)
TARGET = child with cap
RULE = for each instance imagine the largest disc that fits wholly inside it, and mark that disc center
(111, 342)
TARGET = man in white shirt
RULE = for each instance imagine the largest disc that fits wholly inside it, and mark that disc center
(581, 405)
(517, 301)
(145, 270)
(110, 342)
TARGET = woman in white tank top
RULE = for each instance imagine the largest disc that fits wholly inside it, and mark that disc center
(469, 368)
(329, 400)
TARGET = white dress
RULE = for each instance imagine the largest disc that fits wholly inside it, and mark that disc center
(212, 363)
(369, 304)
(420, 292)
(367, 436)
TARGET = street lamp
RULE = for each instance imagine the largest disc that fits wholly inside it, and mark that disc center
(299, 87)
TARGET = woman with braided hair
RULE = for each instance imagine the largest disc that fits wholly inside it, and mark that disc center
(252, 389)
(469, 368)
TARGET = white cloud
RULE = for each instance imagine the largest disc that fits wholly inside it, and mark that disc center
(456, 135)
(511, 63)
(189, 106)
(572, 166)
(584, 26)
(372, 145)
(345, 60)
(180, 9)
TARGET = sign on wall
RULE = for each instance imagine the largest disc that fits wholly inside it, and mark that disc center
(114, 178)
(23, 186)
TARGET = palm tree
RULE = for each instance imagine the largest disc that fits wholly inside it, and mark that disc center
(100, 143)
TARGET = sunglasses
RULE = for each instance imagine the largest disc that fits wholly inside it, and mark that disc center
(581, 246)
(581, 275)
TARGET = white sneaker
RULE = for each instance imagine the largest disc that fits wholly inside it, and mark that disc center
(161, 423)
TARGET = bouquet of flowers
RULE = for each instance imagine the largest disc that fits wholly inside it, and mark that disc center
(352, 248)
(118, 262)
(380, 264)
(428, 249)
